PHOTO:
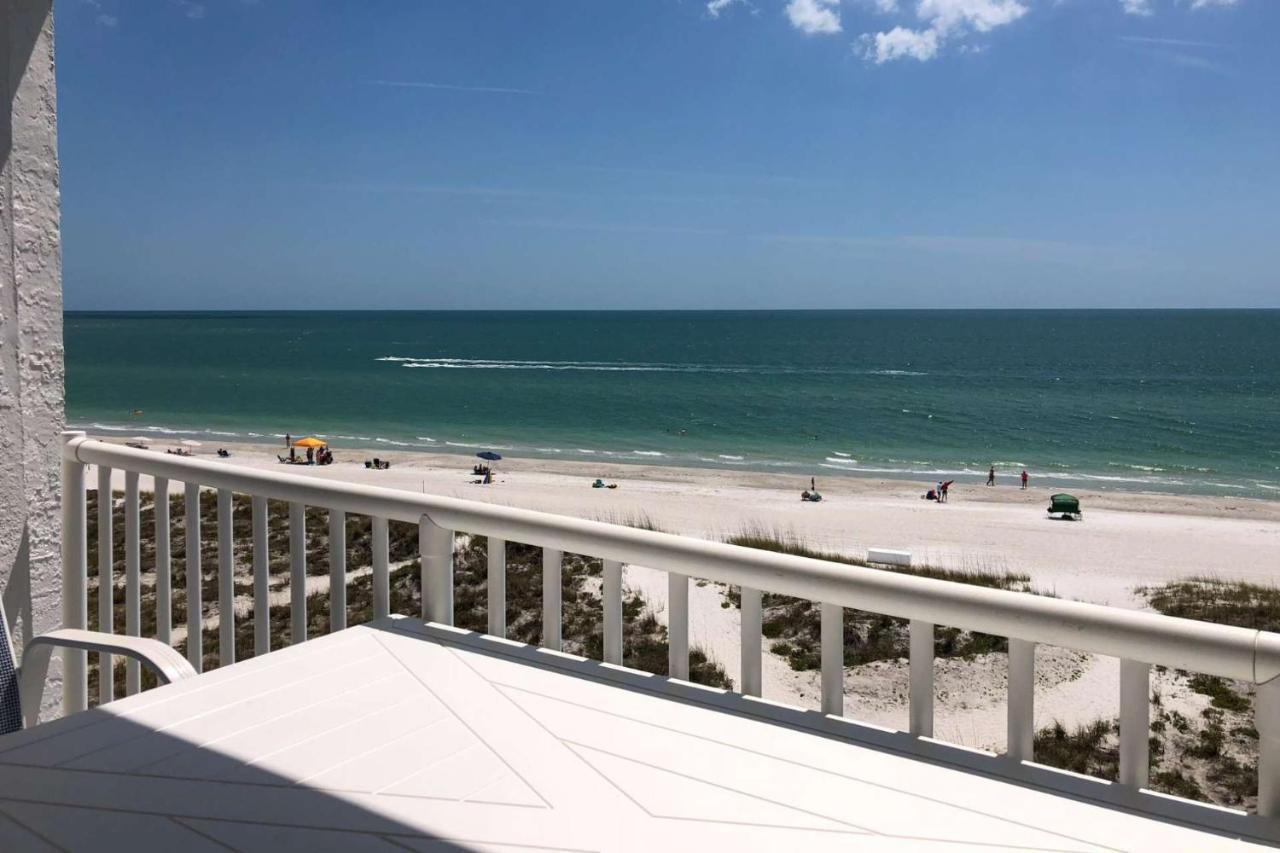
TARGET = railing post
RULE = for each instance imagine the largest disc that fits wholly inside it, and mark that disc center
(381, 568)
(1021, 719)
(297, 573)
(195, 579)
(552, 564)
(337, 570)
(751, 640)
(1266, 719)
(106, 584)
(1135, 722)
(261, 578)
(132, 578)
(164, 563)
(832, 659)
(497, 581)
(678, 625)
(921, 677)
(226, 581)
(612, 611)
(435, 548)
(75, 572)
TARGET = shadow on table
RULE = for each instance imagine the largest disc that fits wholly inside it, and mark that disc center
(216, 802)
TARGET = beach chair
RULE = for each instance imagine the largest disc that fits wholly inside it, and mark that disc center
(21, 686)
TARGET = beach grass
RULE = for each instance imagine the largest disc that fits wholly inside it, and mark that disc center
(1090, 749)
(1225, 602)
(644, 642)
(787, 542)
(1210, 756)
(639, 519)
(794, 624)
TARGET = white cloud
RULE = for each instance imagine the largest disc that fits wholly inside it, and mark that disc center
(715, 7)
(1137, 7)
(899, 43)
(815, 16)
(108, 20)
(946, 16)
(1208, 4)
(944, 19)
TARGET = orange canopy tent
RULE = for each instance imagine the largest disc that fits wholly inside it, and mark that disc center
(309, 441)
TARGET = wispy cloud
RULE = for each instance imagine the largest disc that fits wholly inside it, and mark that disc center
(1047, 251)
(704, 175)
(193, 10)
(716, 7)
(1174, 51)
(103, 18)
(1188, 60)
(1140, 8)
(607, 227)
(1169, 42)
(452, 87)
(515, 194)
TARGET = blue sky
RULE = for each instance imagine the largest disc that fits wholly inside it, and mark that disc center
(665, 154)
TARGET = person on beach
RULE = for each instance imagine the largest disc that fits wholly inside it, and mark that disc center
(944, 491)
(1024, 479)
(288, 440)
(813, 486)
(991, 476)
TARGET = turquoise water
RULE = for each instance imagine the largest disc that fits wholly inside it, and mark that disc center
(1183, 401)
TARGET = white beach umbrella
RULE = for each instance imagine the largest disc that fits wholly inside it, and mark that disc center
(190, 442)
(140, 439)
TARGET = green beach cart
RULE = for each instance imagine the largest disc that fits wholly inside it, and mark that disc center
(1065, 506)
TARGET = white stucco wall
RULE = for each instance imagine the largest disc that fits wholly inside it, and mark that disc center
(31, 370)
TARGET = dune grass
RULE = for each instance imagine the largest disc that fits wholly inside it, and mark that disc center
(787, 542)
(1225, 602)
(794, 624)
(644, 640)
(639, 519)
(1210, 756)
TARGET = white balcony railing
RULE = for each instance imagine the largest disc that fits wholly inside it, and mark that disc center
(1139, 639)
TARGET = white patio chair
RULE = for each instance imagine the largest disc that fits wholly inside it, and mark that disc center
(21, 687)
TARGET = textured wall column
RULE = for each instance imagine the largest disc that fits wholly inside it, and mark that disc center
(31, 371)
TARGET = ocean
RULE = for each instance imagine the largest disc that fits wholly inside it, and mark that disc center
(1173, 401)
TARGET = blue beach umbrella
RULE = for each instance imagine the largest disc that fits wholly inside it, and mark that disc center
(489, 455)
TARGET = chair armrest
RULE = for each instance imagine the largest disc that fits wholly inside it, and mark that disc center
(167, 664)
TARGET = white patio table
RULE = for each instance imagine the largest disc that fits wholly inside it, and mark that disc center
(404, 736)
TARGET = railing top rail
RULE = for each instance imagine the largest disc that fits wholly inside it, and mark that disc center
(1220, 650)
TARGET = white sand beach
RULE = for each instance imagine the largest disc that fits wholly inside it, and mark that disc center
(1126, 540)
